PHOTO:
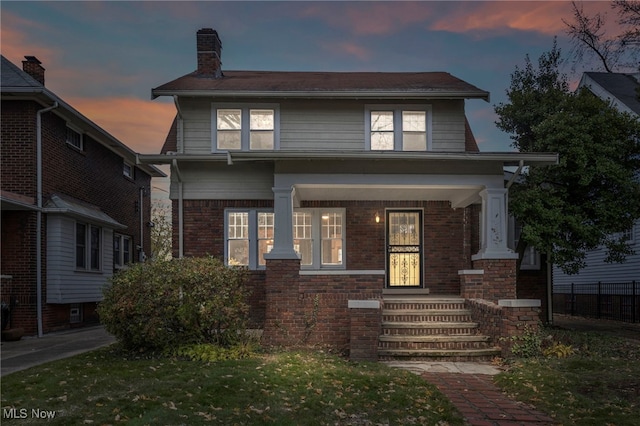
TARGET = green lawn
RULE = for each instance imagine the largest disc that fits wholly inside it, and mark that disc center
(598, 385)
(103, 387)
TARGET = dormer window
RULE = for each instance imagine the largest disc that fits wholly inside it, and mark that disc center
(74, 138)
(398, 128)
(245, 128)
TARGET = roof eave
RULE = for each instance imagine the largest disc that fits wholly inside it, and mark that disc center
(354, 94)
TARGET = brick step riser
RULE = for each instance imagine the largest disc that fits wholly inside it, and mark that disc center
(434, 345)
(453, 358)
(429, 331)
(426, 318)
(423, 306)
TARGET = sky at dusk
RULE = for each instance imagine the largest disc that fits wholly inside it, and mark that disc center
(104, 57)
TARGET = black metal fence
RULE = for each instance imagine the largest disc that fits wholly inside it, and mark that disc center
(614, 301)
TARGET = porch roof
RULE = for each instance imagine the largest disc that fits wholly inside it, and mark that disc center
(506, 158)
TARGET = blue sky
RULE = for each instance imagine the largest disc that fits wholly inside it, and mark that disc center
(104, 57)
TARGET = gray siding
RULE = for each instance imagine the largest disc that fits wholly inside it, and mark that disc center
(598, 270)
(64, 283)
(211, 181)
(320, 125)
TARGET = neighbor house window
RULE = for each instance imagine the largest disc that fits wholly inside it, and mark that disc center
(88, 247)
(318, 237)
(127, 170)
(392, 128)
(74, 138)
(245, 128)
(121, 250)
(249, 236)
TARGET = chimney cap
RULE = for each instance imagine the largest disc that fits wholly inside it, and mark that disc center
(32, 59)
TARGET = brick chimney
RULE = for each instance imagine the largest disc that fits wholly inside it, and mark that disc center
(32, 67)
(209, 50)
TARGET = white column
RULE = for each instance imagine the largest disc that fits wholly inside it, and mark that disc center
(283, 232)
(493, 224)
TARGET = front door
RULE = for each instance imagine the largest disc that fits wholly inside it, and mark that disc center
(404, 248)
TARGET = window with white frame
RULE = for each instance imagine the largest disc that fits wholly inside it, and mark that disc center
(398, 128)
(318, 237)
(245, 127)
(88, 247)
(74, 138)
(248, 236)
(121, 250)
(127, 169)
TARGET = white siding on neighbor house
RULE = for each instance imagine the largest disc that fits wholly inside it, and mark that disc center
(598, 270)
(65, 284)
(318, 125)
(219, 181)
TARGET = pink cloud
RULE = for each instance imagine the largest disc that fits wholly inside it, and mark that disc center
(349, 49)
(141, 125)
(372, 18)
(15, 41)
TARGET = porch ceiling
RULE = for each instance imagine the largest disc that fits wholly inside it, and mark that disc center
(459, 196)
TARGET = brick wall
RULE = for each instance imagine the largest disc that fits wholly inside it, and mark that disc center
(93, 176)
(499, 278)
(532, 284)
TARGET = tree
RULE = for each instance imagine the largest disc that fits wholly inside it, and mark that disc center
(589, 37)
(161, 232)
(593, 195)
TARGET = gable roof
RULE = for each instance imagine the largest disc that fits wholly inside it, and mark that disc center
(619, 88)
(17, 84)
(416, 85)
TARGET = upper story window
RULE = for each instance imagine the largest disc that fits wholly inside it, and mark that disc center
(74, 138)
(244, 128)
(127, 170)
(398, 128)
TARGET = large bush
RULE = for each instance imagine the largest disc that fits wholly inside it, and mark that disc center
(162, 305)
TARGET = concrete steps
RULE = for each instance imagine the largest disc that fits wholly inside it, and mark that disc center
(431, 328)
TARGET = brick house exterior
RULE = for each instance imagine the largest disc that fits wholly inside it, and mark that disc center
(92, 199)
(339, 191)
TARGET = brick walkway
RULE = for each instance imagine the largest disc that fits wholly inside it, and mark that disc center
(482, 403)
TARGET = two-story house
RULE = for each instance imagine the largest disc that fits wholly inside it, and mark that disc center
(607, 290)
(340, 191)
(75, 205)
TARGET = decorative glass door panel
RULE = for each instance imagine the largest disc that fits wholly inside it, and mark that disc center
(404, 249)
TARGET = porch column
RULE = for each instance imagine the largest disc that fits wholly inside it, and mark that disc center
(493, 244)
(283, 232)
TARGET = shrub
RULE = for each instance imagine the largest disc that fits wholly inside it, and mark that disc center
(526, 345)
(162, 305)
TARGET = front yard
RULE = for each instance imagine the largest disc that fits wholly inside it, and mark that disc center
(293, 388)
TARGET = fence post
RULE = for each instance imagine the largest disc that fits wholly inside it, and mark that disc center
(573, 301)
(633, 301)
(599, 299)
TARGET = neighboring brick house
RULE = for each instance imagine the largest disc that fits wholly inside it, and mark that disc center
(342, 192)
(83, 186)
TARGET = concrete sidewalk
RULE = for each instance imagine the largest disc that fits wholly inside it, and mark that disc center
(32, 351)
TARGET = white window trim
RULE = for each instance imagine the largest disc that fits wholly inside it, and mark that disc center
(87, 247)
(119, 263)
(129, 175)
(397, 123)
(245, 124)
(254, 263)
(316, 238)
(79, 132)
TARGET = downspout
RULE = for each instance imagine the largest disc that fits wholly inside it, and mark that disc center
(180, 210)
(549, 292)
(39, 214)
(141, 255)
